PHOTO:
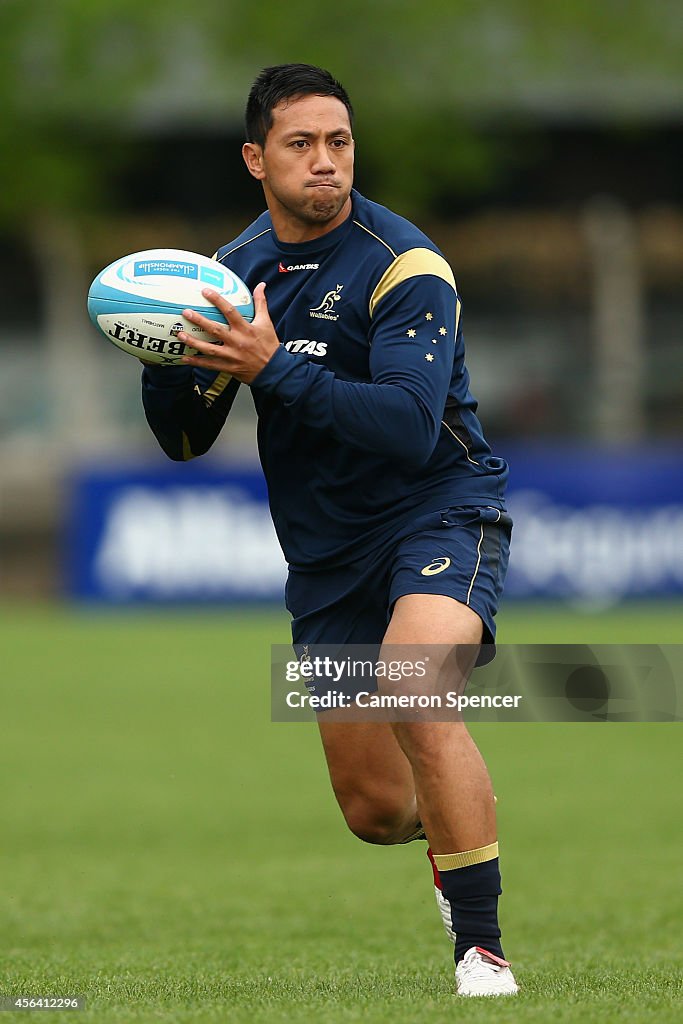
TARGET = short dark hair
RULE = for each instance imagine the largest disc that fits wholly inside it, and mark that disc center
(282, 82)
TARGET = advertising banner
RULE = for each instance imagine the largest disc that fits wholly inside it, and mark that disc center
(183, 533)
(595, 525)
(590, 525)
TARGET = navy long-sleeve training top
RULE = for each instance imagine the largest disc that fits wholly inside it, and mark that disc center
(365, 417)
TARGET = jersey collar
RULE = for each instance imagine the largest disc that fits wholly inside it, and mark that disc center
(321, 244)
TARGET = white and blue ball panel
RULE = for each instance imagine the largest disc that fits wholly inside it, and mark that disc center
(137, 301)
(171, 277)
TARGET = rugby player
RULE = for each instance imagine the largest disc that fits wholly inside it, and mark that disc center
(385, 496)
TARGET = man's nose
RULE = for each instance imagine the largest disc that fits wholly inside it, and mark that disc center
(322, 160)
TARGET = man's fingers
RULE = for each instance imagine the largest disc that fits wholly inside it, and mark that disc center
(208, 347)
(209, 326)
(238, 344)
(231, 314)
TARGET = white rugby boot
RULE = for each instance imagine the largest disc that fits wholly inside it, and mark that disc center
(480, 973)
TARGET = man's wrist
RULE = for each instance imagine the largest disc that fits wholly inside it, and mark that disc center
(278, 366)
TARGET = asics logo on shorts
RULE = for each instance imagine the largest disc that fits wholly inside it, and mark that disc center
(438, 565)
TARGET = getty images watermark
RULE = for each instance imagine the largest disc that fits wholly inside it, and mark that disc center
(523, 683)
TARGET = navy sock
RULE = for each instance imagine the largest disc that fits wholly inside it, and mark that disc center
(473, 895)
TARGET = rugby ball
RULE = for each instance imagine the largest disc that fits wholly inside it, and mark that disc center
(137, 301)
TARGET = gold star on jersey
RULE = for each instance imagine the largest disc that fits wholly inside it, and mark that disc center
(429, 316)
(442, 331)
(430, 357)
(411, 333)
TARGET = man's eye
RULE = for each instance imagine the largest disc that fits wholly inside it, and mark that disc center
(300, 144)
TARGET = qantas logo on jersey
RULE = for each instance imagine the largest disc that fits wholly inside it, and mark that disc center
(306, 347)
(297, 266)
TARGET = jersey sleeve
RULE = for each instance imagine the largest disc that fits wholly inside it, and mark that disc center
(186, 407)
(398, 414)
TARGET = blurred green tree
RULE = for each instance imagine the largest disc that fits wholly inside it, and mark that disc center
(67, 68)
(75, 75)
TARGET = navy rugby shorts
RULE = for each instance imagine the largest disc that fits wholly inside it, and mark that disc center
(460, 552)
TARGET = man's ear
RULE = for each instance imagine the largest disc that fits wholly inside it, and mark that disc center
(253, 158)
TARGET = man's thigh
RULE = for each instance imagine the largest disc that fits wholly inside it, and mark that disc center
(442, 636)
(366, 762)
(432, 619)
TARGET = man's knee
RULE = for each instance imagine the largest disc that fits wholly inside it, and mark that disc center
(374, 821)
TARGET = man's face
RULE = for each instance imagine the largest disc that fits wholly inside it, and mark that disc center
(306, 166)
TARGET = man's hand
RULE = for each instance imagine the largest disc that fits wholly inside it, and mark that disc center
(241, 349)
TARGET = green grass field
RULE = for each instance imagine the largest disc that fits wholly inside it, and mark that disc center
(171, 855)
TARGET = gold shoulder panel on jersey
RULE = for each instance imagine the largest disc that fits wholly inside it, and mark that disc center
(216, 389)
(413, 263)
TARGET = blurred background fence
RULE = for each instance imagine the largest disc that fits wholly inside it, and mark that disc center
(540, 145)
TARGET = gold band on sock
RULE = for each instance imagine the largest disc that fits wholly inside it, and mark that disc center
(448, 861)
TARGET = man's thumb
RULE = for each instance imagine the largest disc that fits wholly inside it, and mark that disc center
(260, 302)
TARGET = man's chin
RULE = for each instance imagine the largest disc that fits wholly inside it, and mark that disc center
(320, 213)
(322, 210)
